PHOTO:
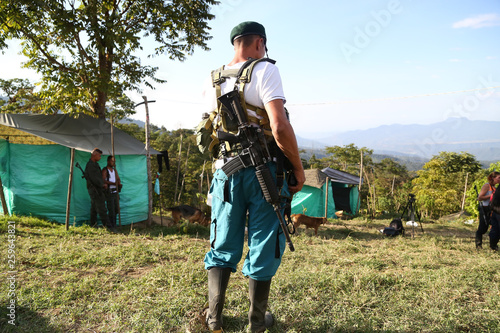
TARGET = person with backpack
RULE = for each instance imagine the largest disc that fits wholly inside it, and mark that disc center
(232, 197)
(484, 198)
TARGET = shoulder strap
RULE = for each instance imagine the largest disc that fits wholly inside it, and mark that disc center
(244, 77)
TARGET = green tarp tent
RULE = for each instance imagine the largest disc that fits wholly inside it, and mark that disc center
(325, 192)
(35, 155)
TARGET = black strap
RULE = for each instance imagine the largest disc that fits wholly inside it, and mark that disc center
(251, 60)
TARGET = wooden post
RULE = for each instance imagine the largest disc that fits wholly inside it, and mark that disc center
(2, 197)
(201, 183)
(185, 171)
(161, 216)
(465, 190)
(178, 169)
(326, 198)
(360, 181)
(70, 184)
(113, 153)
(148, 158)
(392, 188)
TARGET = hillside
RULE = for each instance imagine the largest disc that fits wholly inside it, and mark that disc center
(477, 137)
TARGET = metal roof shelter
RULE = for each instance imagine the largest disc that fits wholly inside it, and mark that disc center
(325, 192)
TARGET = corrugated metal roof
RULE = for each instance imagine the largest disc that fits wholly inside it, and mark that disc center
(341, 176)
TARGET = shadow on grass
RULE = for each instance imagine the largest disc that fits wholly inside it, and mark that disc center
(192, 230)
(24, 320)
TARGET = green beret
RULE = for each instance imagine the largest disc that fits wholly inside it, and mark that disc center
(247, 28)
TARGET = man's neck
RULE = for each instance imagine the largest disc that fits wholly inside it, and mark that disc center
(242, 57)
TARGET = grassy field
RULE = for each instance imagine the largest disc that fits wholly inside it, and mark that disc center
(349, 278)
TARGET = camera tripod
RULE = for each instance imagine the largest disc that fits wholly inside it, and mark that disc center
(411, 209)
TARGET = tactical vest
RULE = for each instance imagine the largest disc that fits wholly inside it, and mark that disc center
(218, 120)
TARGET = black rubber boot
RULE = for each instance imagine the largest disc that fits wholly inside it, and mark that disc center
(218, 279)
(258, 318)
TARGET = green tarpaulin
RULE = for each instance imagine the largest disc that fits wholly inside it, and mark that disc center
(35, 177)
(320, 189)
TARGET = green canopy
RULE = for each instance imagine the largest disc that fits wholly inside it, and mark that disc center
(35, 177)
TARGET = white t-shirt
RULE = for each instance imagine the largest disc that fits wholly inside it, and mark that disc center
(265, 85)
(112, 179)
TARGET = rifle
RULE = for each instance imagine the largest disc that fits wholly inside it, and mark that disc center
(85, 176)
(254, 153)
(481, 207)
(83, 172)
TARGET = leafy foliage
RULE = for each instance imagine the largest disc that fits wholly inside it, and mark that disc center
(183, 183)
(20, 96)
(439, 187)
(348, 157)
(471, 203)
(85, 50)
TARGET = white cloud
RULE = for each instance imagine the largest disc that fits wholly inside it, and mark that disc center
(491, 58)
(455, 60)
(479, 21)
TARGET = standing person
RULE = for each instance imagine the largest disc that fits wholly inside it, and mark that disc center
(112, 180)
(484, 199)
(234, 196)
(495, 221)
(96, 188)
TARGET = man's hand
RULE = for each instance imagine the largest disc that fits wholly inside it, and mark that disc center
(300, 179)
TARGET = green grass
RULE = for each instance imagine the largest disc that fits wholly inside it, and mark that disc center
(349, 278)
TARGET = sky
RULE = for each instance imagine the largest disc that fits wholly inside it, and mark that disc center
(345, 65)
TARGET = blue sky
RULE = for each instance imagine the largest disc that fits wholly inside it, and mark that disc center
(348, 65)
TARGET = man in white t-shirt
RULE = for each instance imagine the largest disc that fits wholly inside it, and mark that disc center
(234, 197)
(112, 180)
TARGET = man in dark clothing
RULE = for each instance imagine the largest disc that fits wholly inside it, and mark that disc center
(96, 188)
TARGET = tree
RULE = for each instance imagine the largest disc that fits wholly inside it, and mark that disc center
(314, 163)
(439, 186)
(19, 95)
(85, 49)
(348, 157)
(389, 180)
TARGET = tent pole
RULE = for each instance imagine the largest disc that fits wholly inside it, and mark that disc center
(2, 197)
(70, 184)
(465, 191)
(184, 175)
(178, 169)
(113, 153)
(326, 198)
(148, 157)
(360, 181)
(161, 216)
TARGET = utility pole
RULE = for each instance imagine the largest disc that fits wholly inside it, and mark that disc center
(148, 160)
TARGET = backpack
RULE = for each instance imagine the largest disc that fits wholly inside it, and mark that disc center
(206, 131)
(395, 228)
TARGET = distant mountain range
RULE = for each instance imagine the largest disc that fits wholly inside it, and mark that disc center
(477, 137)
(412, 145)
